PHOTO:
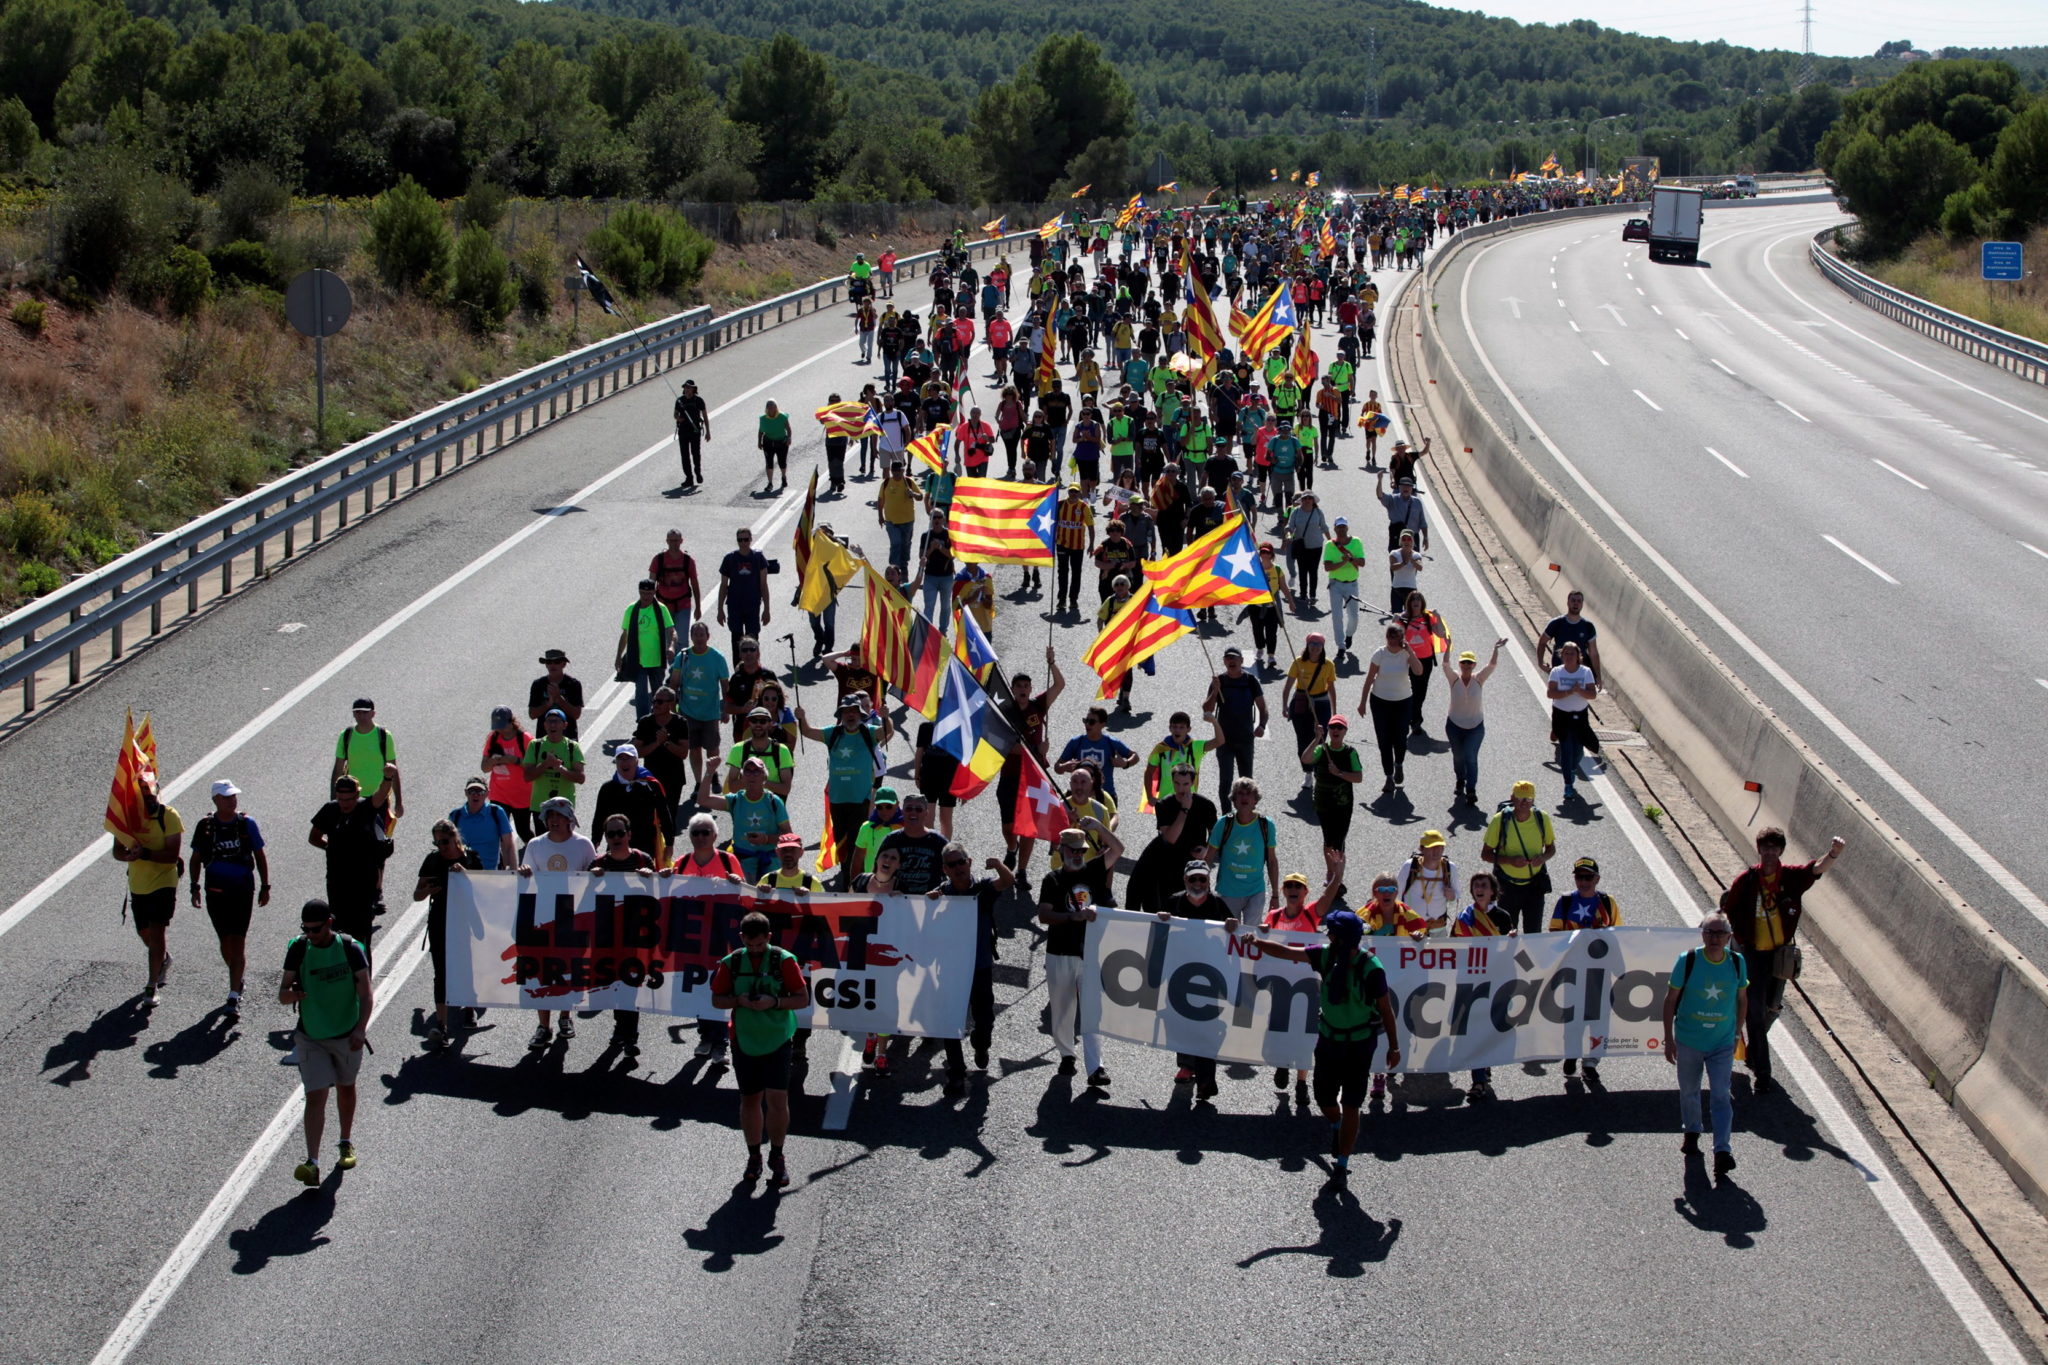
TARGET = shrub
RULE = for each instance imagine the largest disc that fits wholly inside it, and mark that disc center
(643, 250)
(244, 262)
(249, 203)
(28, 315)
(37, 579)
(483, 291)
(116, 215)
(187, 281)
(31, 525)
(824, 234)
(535, 272)
(484, 205)
(409, 240)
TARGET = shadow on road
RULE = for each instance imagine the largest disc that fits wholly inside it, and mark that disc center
(744, 1225)
(198, 1043)
(293, 1228)
(113, 1031)
(1351, 1238)
(1725, 1207)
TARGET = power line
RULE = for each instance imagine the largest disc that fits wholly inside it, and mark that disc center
(1806, 60)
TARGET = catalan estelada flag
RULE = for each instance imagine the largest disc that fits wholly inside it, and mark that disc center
(806, 525)
(1051, 227)
(933, 448)
(997, 521)
(134, 769)
(902, 647)
(1327, 240)
(1315, 178)
(1204, 341)
(995, 228)
(1303, 365)
(1170, 187)
(1048, 354)
(1219, 570)
(971, 646)
(1140, 629)
(1081, 193)
(970, 727)
(1272, 324)
(1130, 210)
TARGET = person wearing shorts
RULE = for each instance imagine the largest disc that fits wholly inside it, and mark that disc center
(1353, 1009)
(228, 858)
(764, 988)
(327, 977)
(153, 863)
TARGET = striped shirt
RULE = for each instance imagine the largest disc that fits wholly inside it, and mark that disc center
(1070, 531)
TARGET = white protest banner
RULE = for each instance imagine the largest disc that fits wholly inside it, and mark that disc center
(583, 941)
(1460, 1003)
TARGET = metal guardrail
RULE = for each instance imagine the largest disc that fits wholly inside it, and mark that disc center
(2009, 351)
(284, 519)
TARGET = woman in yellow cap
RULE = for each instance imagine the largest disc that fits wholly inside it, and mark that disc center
(1296, 914)
(1429, 880)
(1387, 915)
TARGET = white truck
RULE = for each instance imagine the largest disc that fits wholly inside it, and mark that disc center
(1675, 222)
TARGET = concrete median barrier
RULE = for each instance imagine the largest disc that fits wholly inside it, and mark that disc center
(1953, 992)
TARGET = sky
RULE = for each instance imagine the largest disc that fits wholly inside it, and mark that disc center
(1838, 29)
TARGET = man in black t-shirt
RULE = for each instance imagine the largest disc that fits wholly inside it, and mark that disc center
(1067, 900)
(693, 429)
(432, 887)
(1195, 901)
(552, 690)
(960, 880)
(663, 739)
(918, 849)
(1572, 628)
(743, 590)
(351, 829)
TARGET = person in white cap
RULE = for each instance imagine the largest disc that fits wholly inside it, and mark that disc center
(228, 859)
(561, 849)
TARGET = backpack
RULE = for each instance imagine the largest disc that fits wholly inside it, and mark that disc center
(1742, 981)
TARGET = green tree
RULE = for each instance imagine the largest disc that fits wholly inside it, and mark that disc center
(787, 94)
(627, 72)
(543, 120)
(646, 251)
(19, 142)
(1066, 101)
(2015, 187)
(482, 290)
(684, 137)
(409, 240)
(41, 41)
(1897, 186)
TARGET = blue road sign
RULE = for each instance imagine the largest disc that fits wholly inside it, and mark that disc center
(2003, 261)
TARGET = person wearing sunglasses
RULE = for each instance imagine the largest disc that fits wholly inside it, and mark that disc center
(764, 987)
(743, 605)
(1705, 1014)
(327, 980)
(432, 887)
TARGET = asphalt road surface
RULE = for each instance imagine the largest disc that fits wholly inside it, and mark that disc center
(510, 1208)
(1866, 507)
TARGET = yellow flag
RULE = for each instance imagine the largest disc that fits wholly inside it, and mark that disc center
(831, 568)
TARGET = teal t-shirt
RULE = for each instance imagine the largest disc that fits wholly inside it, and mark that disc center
(766, 816)
(700, 693)
(1241, 855)
(850, 769)
(1286, 452)
(775, 428)
(327, 975)
(1705, 1020)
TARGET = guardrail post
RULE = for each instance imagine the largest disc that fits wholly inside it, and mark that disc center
(260, 543)
(114, 635)
(227, 567)
(28, 683)
(191, 583)
(156, 605)
(76, 662)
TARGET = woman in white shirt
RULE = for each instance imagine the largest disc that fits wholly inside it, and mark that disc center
(1389, 683)
(1465, 726)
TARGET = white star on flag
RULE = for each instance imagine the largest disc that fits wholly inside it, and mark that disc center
(1241, 561)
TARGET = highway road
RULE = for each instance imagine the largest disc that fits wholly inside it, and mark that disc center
(1853, 516)
(577, 1206)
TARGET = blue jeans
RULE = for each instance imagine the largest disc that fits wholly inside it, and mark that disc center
(1465, 753)
(1719, 1066)
(1571, 743)
(645, 681)
(899, 542)
(936, 590)
(1343, 611)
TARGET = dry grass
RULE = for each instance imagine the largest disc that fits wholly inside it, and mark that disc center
(116, 423)
(1946, 273)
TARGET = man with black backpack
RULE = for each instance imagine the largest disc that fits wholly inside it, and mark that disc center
(228, 858)
(693, 428)
(351, 829)
(1705, 1013)
(366, 752)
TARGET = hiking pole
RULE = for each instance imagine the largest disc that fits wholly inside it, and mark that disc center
(796, 687)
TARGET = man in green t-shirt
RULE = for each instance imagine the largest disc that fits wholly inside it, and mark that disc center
(1352, 1009)
(362, 751)
(646, 636)
(1343, 557)
(764, 988)
(554, 761)
(1706, 1010)
(327, 976)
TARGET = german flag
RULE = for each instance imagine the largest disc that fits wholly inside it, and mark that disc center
(1140, 629)
(996, 521)
(903, 648)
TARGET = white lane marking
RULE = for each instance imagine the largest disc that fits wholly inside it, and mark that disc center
(1639, 290)
(1725, 460)
(1553, 284)
(2036, 549)
(1941, 1268)
(1658, 311)
(1723, 369)
(1574, 325)
(1647, 399)
(1681, 335)
(1861, 560)
(1901, 473)
(1614, 313)
(208, 765)
(1601, 358)
(399, 958)
(1960, 838)
(1794, 411)
(2042, 681)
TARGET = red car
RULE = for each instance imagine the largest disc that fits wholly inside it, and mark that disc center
(1636, 230)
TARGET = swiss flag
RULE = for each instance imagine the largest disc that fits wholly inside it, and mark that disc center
(1041, 812)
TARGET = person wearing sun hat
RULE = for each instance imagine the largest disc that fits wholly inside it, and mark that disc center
(1429, 879)
(1465, 721)
(1519, 842)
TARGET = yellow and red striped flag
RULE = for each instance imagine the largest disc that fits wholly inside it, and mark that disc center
(995, 229)
(1315, 178)
(902, 647)
(848, 419)
(1327, 240)
(828, 843)
(1303, 365)
(1272, 324)
(806, 524)
(932, 448)
(1130, 210)
(1221, 569)
(1048, 363)
(1082, 193)
(134, 770)
(1051, 227)
(997, 521)
(1140, 629)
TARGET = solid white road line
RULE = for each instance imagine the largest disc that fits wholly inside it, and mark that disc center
(1574, 325)
(1723, 369)
(1681, 335)
(1725, 460)
(1961, 839)
(2036, 549)
(1927, 1248)
(1601, 358)
(1861, 560)
(1890, 470)
(211, 762)
(1646, 398)
(1794, 411)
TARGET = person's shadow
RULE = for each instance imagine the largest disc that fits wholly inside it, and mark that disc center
(743, 1225)
(113, 1031)
(1351, 1238)
(1725, 1207)
(194, 1045)
(293, 1228)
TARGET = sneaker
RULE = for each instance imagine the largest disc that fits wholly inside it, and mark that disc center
(1280, 1079)
(867, 1054)
(1184, 1076)
(542, 1037)
(232, 1007)
(1099, 1077)
(1206, 1090)
(1068, 1066)
(778, 1171)
(307, 1173)
(881, 1061)
(1571, 1066)
(753, 1171)
(1479, 1093)
(1379, 1086)
(1724, 1162)
(706, 1048)
(437, 1038)
(568, 1029)
(347, 1160)
(1690, 1145)
(1592, 1072)
(149, 996)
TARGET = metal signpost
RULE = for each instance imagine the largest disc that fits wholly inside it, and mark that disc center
(317, 302)
(2004, 261)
